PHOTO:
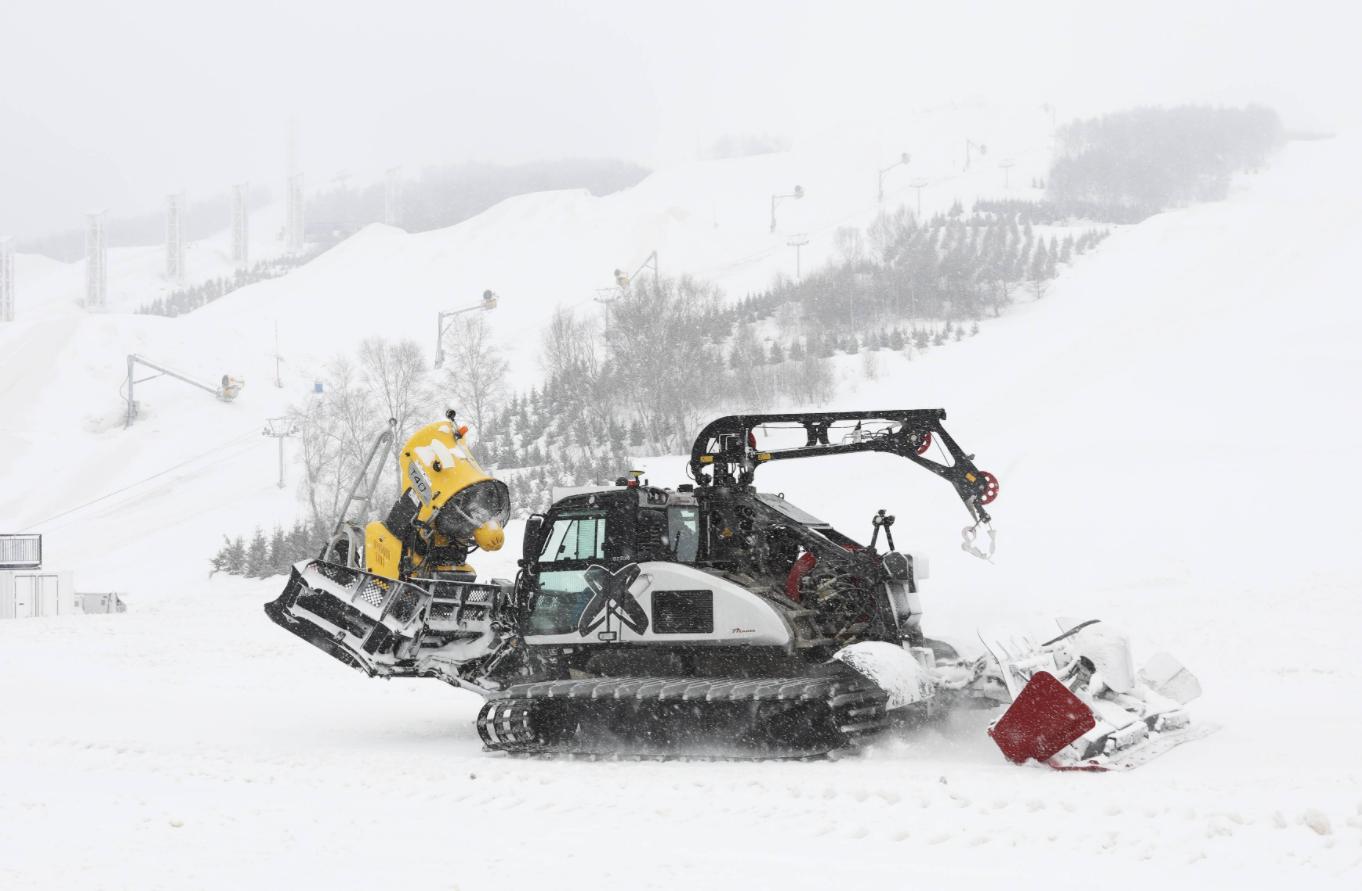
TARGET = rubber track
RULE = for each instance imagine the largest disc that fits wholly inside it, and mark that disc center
(856, 707)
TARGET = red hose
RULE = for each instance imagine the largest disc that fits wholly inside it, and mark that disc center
(802, 567)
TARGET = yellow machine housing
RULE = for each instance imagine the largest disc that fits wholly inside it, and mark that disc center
(448, 507)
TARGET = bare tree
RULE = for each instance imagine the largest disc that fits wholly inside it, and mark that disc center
(754, 382)
(476, 374)
(394, 375)
(809, 380)
(569, 345)
(887, 231)
(335, 429)
(664, 363)
(850, 243)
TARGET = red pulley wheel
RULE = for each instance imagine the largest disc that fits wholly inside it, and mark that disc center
(926, 443)
(988, 487)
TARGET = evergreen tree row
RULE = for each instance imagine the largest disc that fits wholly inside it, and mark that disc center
(185, 300)
(263, 556)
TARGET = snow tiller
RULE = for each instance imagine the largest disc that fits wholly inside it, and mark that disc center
(711, 620)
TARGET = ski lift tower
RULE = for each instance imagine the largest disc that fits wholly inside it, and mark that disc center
(281, 429)
(175, 211)
(798, 242)
(293, 194)
(392, 196)
(918, 185)
(6, 279)
(241, 222)
(96, 261)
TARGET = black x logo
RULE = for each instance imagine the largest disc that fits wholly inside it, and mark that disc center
(610, 597)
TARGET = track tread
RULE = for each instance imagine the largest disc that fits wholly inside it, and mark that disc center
(856, 708)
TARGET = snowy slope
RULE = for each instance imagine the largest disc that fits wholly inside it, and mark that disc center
(1172, 426)
(708, 219)
(136, 275)
(64, 368)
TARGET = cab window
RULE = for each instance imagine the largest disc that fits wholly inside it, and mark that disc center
(580, 537)
(683, 533)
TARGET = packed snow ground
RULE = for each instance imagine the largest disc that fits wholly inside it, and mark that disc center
(1174, 429)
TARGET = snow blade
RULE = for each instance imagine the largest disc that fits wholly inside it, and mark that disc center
(1044, 719)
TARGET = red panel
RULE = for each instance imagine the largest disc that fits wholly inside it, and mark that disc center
(1044, 719)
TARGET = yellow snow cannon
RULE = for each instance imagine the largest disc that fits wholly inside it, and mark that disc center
(449, 506)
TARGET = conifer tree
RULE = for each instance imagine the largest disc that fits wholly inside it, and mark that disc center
(279, 555)
(258, 556)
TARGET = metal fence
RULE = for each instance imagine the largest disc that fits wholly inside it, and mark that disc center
(21, 551)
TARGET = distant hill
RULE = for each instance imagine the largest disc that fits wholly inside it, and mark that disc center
(436, 197)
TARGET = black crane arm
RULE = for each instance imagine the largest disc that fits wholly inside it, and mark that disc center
(726, 452)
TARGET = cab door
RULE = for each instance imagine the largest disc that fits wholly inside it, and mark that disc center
(572, 541)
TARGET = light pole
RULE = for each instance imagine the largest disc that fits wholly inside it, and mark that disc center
(489, 301)
(797, 193)
(1006, 165)
(901, 162)
(972, 145)
(623, 281)
(280, 429)
(1050, 107)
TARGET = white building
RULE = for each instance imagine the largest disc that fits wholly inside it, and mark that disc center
(26, 589)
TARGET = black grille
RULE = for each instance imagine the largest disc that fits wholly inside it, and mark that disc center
(683, 612)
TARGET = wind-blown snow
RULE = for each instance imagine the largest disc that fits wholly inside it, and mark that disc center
(1174, 429)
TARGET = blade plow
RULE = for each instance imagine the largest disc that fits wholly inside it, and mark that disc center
(1078, 706)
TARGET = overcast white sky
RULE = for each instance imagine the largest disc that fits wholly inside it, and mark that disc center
(115, 104)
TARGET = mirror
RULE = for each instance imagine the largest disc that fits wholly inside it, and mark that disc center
(534, 530)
